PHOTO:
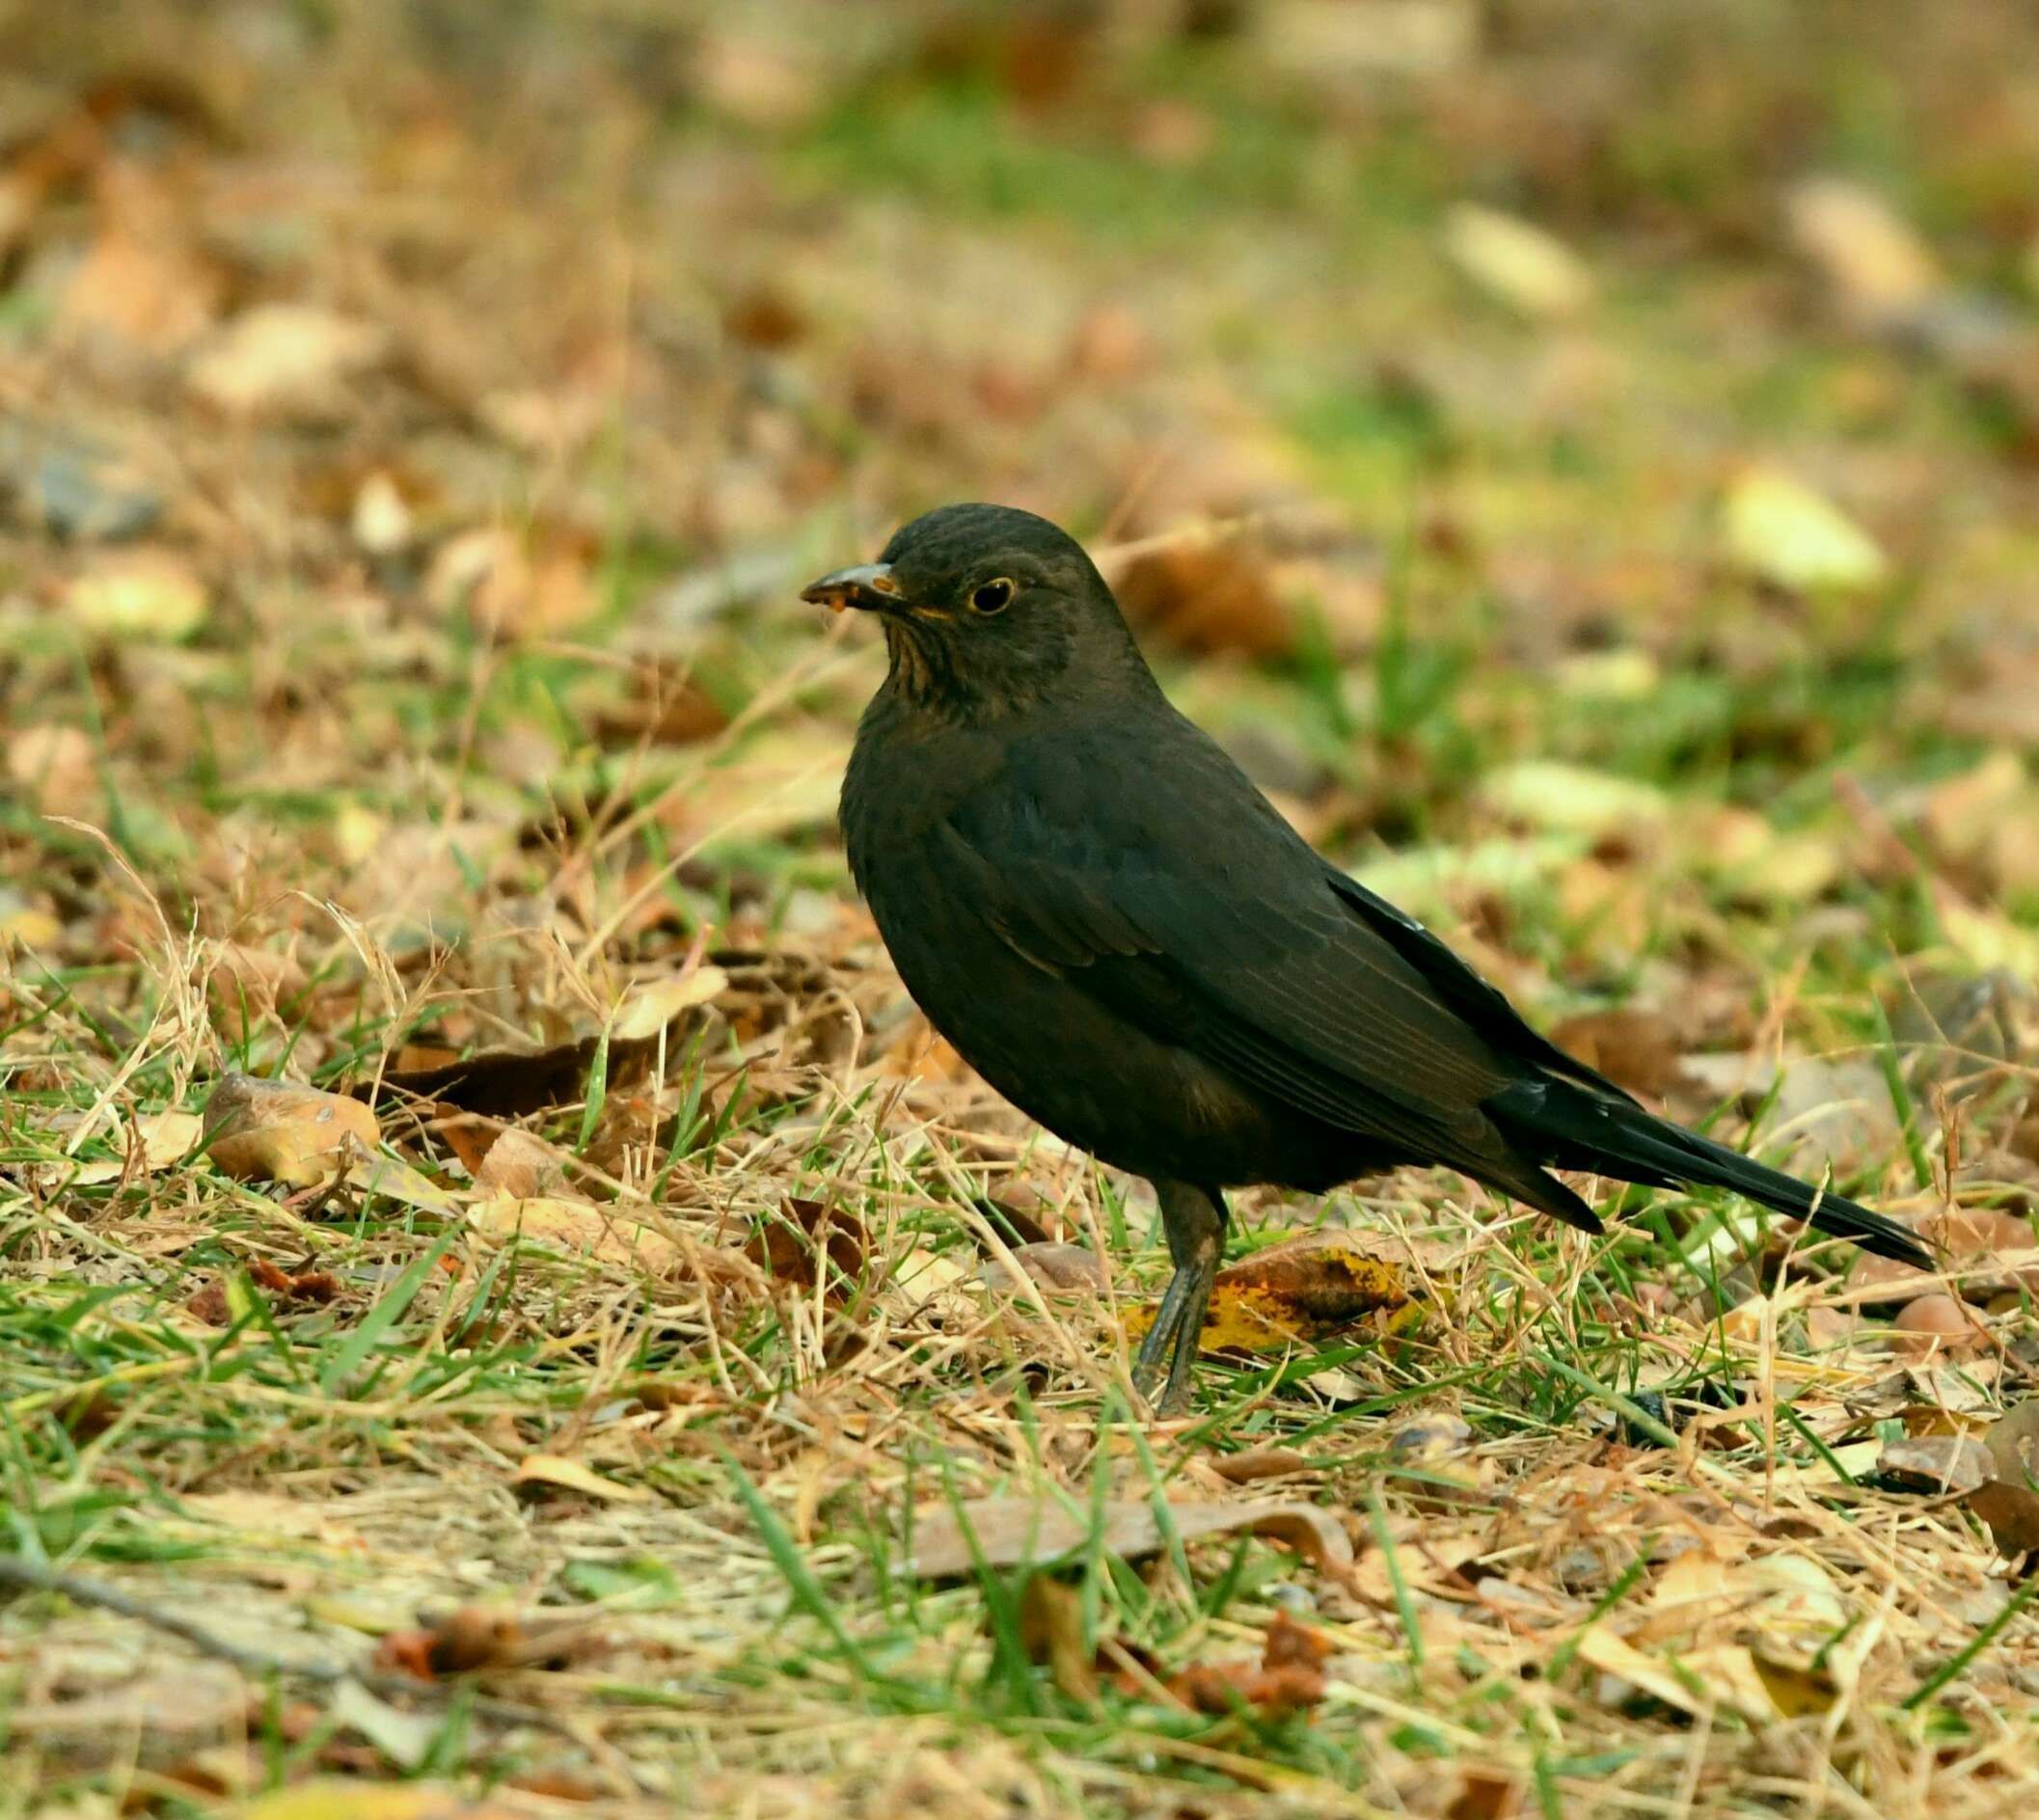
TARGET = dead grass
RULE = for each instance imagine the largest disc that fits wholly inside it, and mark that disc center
(417, 424)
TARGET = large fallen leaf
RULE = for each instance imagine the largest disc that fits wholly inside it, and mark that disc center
(2008, 1500)
(1290, 1294)
(277, 1130)
(1720, 1674)
(1779, 530)
(1522, 265)
(1011, 1530)
(791, 1245)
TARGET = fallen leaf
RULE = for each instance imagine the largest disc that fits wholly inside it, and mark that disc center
(164, 1138)
(1251, 1465)
(1288, 1676)
(1937, 1464)
(353, 1798)
(2008, 1500)
(1207, 594)
(1778, 529)
(1052, 1633)
(137, 595)
(1068, 1268)
(276, 1131)
(475, 1638)
(1516, 262)
(1561, 799)
(1634, 1048)
(567, 1475)
(580, 1227)
(518, 1166)
(55, 767)
(790, 1244)
(1297, 1292)
(649, 1008)
(1010, 1531)
(1880, 268)
(285, 360)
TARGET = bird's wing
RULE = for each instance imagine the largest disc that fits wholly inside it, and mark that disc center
(1177, 897)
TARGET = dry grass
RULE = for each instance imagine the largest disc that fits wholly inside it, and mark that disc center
(426, 680)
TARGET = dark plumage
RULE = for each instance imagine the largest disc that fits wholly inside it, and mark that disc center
(1118, 932)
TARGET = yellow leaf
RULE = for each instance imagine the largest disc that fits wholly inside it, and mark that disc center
(352, 1797)
(1291, 1293)
(276, 1131)
(1781, 531)
(165, 1138)
(575, 1226)
(137, 594)
(1522, 265)
(555, 1469)
(649, 1008)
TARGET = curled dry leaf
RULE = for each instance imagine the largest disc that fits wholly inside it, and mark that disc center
(2008, 1500)
(474, 1638)
(1297, 1292)
(1070, 1269)
(1010, 1531)
(790, 1245)
(1288, 1676)
(556, 1471)
(277, 1130)
(1936, 1464)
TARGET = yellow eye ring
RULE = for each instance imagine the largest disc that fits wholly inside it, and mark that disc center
(991, 597)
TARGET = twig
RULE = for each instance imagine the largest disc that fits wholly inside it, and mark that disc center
(28, 1576)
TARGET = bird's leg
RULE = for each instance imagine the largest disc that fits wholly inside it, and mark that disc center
(1194, 1220)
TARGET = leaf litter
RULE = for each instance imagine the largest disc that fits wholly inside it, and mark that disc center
(465, 1151)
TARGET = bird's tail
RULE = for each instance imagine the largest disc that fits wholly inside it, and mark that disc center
(1571, 1128)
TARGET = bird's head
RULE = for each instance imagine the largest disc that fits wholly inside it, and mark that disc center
(989, 611)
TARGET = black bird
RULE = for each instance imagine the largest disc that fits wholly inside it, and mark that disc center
(1118, 930)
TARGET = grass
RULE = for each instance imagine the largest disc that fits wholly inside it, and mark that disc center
(1626, 1542)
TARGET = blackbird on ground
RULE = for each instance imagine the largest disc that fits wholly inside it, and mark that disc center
(1114, 926)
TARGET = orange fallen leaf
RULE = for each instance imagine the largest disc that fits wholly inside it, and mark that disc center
(276, 1131)
(1295, 1294)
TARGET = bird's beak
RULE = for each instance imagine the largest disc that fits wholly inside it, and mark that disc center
(868, 585)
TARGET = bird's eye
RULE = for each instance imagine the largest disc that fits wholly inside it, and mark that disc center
(992, 597)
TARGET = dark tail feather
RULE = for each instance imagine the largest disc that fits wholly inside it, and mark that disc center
(1567, 1127)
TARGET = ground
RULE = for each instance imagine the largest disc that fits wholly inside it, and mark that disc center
(1583, 460)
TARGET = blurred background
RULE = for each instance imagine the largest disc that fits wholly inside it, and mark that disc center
(1582, 458)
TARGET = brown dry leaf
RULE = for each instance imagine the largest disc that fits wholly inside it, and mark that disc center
(504, 1083)
(1720, 1674)
(1207, 594)
(1052, 1633)
(1290, 1675)
(569, 1474)
(1291, 1293)
(516, 585)
(285, 360)
(519, 1166)
(788, 1245)
(247, 984)
(475, 1638)
(55, 768)
(580, 1227)
(277, 1130)
(1936, 1464)
(1070, 1269)
(1251, 1465)
(1010, 1531)
(163, 1137)
(137, 595)
(2009, 1501)
(1634, 1048)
